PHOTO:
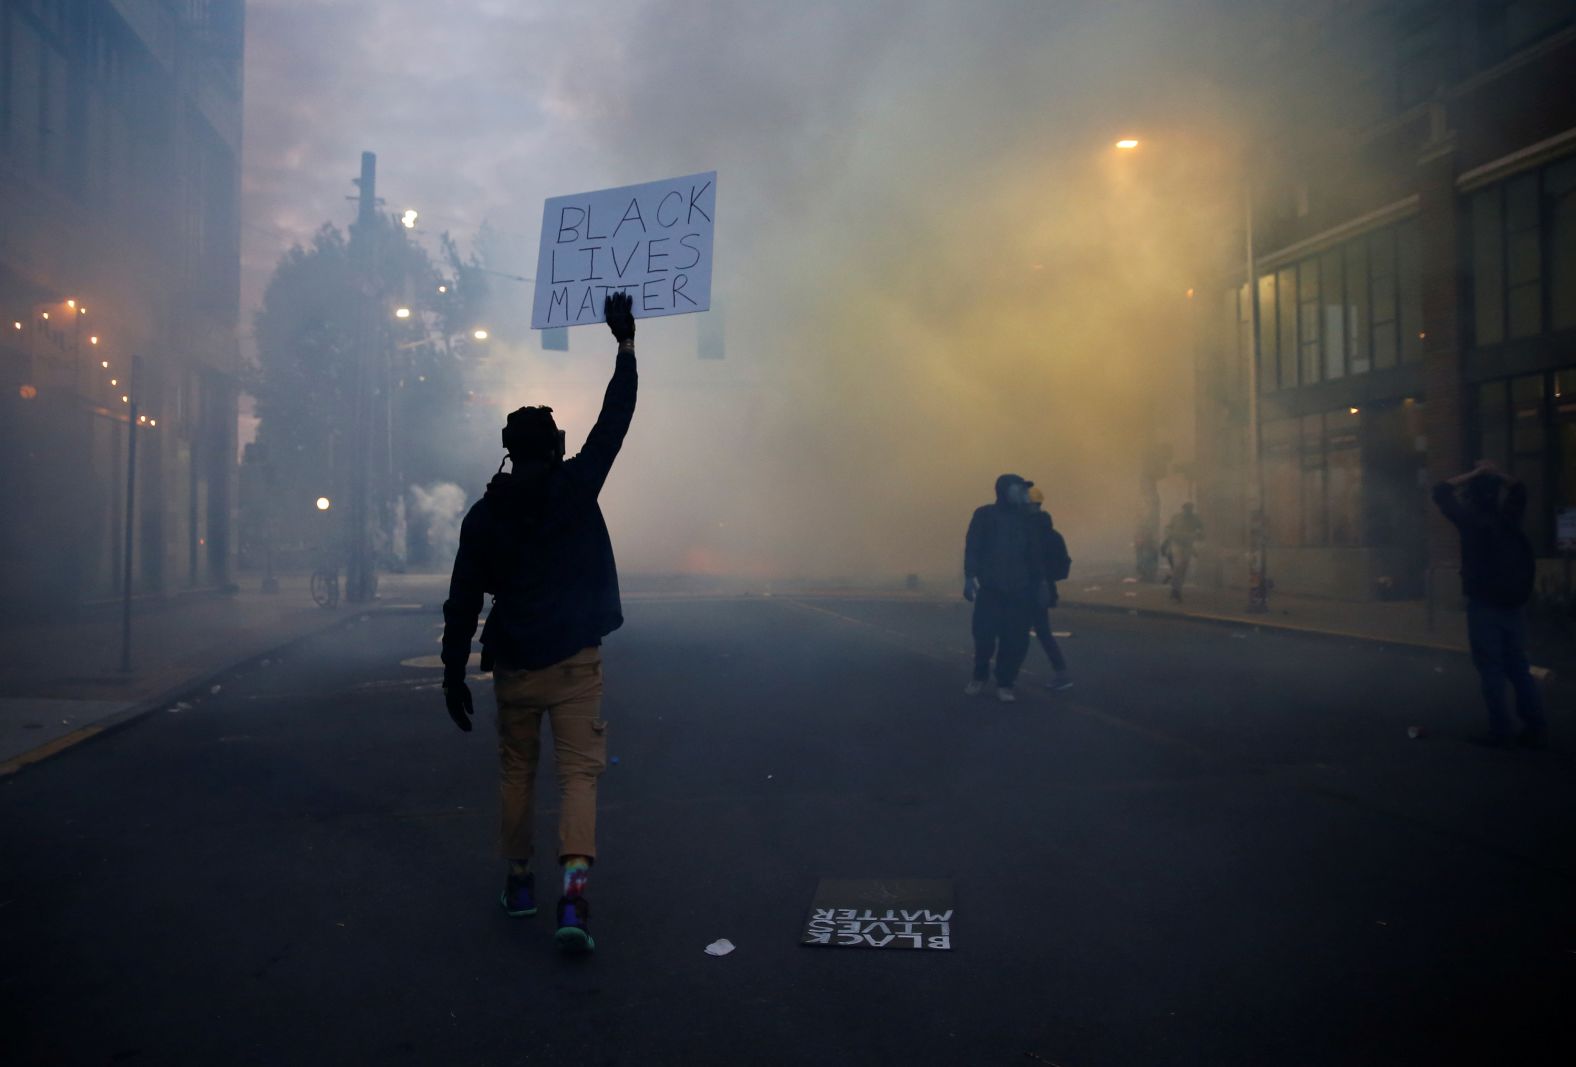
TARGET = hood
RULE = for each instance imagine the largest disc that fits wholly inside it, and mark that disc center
(1007, 481)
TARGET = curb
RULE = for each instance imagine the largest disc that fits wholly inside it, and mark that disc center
(186, 687)
(1240, 623)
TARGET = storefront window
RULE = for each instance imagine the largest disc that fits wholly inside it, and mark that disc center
(1523, 268)
(1344, 476)
(1493, 428)
(1410, 290)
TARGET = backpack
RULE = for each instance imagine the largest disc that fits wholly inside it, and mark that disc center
(1058, 564)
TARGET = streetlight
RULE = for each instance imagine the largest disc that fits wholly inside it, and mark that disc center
(480, 335)
(1258, 530)
(402, 313)
(408, 220)
(323, 503)
(93, 340)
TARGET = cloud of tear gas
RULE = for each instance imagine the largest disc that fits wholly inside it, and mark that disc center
(932, 264)
(438, 510)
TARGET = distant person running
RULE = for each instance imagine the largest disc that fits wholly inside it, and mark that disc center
(536, 541)
(1183, 533)
(1004, 578)
(1497, 571)
(1056, 564)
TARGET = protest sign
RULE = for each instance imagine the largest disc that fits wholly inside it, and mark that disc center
(652, 241)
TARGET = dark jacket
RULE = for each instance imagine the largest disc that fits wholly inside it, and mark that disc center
(1003, 548)
(1497, 563)
(1054, 560)
(536, 541)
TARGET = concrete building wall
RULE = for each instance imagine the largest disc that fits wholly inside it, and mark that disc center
(119, 242)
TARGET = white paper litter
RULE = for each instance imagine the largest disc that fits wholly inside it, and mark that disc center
(720, 947)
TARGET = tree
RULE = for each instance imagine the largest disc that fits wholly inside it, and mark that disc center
(333, 358)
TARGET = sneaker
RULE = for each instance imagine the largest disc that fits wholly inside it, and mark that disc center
(573, 933)
(974, 689)
(1005, 694)
(519, 896)
(1061, 683)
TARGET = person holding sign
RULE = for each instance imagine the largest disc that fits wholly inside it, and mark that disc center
(1004, 577)
(537, 542)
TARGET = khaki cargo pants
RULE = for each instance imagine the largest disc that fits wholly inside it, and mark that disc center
(570, 693)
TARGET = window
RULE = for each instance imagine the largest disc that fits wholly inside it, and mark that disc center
(1410, 290)
(1559, 193)
(1523, 270)
(1382, 287)
(1286, 319)
(1268, 361)
(1308, 320)
(1313, 479)
(1507, 26)
(1425, 51)
(1333, 326)
(1357, 307)
(1488, 268)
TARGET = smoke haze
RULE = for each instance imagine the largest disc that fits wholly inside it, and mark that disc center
(933, 266)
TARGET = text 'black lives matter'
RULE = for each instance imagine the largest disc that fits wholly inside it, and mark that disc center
(652, 241)
(881, 913)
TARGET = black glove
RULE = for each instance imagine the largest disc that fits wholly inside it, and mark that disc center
(618, 310)
(457, 696)
(971, 586)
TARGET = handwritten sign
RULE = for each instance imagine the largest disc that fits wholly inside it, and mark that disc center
(899, 913)
(652, 241)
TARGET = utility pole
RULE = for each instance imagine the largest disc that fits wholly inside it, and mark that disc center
(359, 583)
(131, 514)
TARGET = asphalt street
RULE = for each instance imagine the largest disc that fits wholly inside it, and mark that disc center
(1221, 847)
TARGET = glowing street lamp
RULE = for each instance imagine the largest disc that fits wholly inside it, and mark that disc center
(323, 503)
(408, 220)
(402, 313)
(480, 335)
(1127, 143)
(72, 304)
(93, 340)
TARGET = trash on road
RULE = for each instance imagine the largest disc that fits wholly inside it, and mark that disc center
(182, 706)
(1129, 581)
(768, 777)
(720, 947)
(1061, 633)
(215, 689)
(1414, 732)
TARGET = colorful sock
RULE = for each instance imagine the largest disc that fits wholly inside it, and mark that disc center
(577, 872)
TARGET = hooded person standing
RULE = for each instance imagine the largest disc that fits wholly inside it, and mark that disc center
(537, 542)
(1498, 570)
(1057, 564)
(1004, 577)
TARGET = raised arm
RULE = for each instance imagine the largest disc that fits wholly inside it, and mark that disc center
(595, 460)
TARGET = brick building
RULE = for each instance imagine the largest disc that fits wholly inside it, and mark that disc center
(1413, 174)
(119, 236)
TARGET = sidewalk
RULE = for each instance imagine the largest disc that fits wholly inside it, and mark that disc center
(61, 683)
(1401, 622)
